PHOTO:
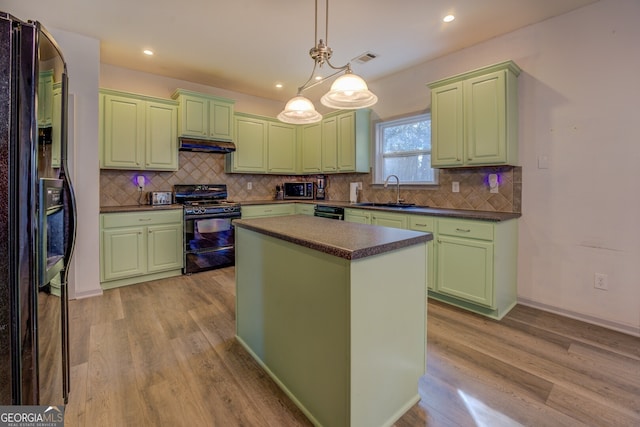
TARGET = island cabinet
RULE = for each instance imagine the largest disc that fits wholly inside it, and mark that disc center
(140, 246)
(474, 118)
(335, 313)
(204, 116)
(476, 265)
(137, 132)
(263, 145)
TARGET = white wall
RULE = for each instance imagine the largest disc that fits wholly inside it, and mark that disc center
(578, 106)
(82, 55)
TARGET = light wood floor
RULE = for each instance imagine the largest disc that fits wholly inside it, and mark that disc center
(163, 353)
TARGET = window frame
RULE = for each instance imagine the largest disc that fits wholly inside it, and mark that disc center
(378, 128)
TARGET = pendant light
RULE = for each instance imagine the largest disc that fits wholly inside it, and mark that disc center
(348, 92)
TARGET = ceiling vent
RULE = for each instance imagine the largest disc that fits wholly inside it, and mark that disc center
(365, 57)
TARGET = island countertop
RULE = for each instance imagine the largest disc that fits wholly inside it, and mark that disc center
(338, 238)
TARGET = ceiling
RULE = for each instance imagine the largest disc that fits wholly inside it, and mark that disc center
(248, 46)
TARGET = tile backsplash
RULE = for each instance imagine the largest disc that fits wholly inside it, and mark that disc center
(118, 188)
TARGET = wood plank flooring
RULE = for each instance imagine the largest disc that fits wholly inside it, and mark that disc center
(163, 353)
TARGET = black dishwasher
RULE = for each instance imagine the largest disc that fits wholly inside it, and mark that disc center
(332, 212)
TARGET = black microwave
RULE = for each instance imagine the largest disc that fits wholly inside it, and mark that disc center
(298, 190)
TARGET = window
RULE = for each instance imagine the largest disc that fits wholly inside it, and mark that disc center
(403, 148)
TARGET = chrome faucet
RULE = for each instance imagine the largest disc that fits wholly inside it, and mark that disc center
(386, 182)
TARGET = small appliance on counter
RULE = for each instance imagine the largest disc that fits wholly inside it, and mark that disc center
(159, 198)
(279, 193)
(354, 190)
(298, 190)
(321, 185)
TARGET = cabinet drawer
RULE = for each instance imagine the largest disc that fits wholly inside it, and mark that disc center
(129, 219)
(421, 223)
(267, 210)
(469, 229)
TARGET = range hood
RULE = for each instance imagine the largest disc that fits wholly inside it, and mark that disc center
(194, 144)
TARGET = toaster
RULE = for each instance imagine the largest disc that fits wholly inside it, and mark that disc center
(157, 198)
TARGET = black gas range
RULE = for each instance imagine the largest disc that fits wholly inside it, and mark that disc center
(208, 226)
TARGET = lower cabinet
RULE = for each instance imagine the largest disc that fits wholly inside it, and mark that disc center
(426, 224)
(140, 246)
(476, 265)
(274, 209)
(470, 263)
(387, 219)
(305, 208)
(357, 215)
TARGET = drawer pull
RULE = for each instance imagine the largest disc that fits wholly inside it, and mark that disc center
(268, 210)
(421, 225)
(144, 219)
(463, 230)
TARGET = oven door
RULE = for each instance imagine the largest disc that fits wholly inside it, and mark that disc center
(209, 243)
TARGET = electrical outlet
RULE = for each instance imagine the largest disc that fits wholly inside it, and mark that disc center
(249, 185)
(455, 187)
(600, 281)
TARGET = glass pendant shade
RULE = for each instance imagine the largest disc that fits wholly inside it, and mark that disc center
(299, 110)
(349, 92)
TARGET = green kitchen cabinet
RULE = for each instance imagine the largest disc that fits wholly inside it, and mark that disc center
(56, 124)
(263, 145)
(360, 216)
(45, 98)
(140, 246)
(282, 146)
(389, 219)
(474, 118)
(330, 145)
(346, 141)
(137, 132)
(310, 148)
(263, 211)
(305, 208)
(426, 224)
(204, 116)
(251, 145)
(476, 265)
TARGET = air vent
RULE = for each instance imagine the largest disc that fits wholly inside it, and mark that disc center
(365, 57)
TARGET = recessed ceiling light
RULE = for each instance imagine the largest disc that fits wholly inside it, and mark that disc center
(448, 18)
(148, 52)
(279, 85)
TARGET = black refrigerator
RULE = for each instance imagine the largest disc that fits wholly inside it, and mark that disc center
(37, 217)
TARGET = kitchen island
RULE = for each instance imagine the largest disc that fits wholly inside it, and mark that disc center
(335, 312)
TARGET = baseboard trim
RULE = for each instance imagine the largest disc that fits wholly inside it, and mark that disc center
(616, 326)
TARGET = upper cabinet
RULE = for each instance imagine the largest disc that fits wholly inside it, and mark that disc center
(339, 143)
(204, 116)
(137, 132)
(263, 145)
(474, 118)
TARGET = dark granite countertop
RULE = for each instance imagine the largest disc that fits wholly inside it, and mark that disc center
(415, 210)
(136, 208)
(338, 238)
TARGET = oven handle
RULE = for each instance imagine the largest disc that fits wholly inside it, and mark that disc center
(214, 216)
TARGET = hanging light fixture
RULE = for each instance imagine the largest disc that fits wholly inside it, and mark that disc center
(348, 91)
